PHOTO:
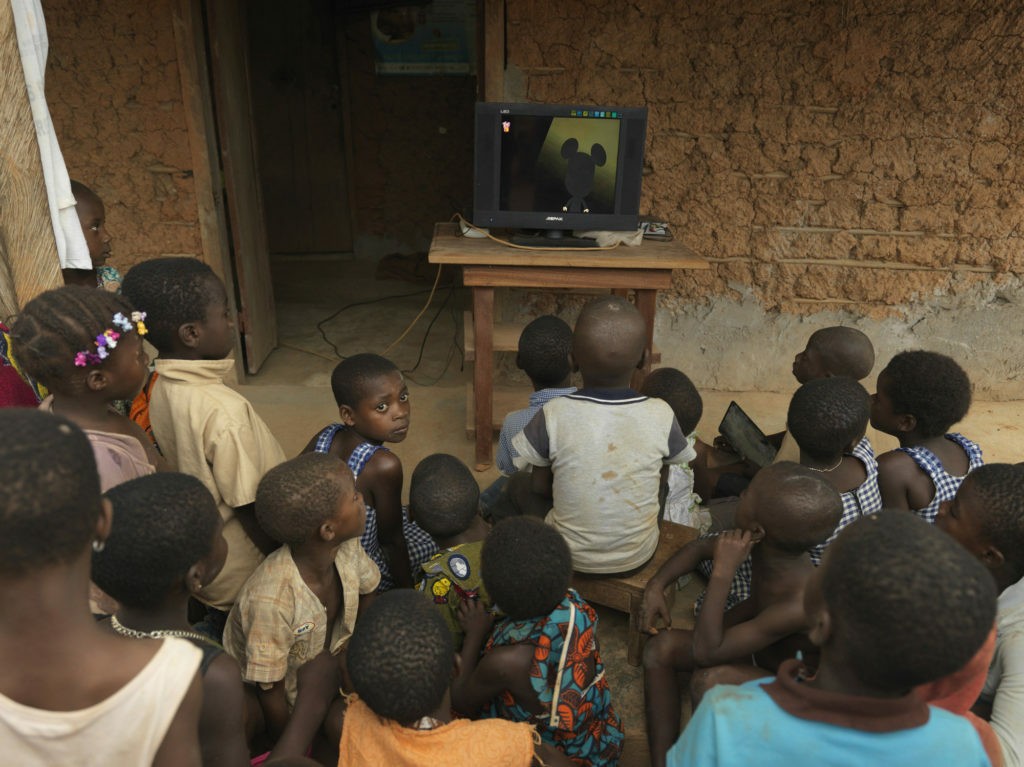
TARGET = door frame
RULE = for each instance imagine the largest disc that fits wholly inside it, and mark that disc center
(216, 192)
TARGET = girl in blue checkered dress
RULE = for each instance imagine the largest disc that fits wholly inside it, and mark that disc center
(826, 418)
(373, 405)
(920, 395)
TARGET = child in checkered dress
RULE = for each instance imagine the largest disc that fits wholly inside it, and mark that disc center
(919, 396)
(373, 404)
(827, 418)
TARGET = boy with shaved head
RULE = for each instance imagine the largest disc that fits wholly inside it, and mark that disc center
(598, 453)
(786, 510)
(835, 351)
(832, 352)
(895, 604)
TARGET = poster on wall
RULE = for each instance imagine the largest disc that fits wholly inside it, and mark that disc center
(438, 38)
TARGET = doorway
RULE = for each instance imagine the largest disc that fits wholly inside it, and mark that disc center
(287, 86)
(298, 125)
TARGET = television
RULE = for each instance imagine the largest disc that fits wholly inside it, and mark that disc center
(553, 168)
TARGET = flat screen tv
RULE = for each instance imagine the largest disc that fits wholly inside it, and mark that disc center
(557, 167)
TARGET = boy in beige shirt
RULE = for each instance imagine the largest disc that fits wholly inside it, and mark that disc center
(202, 427)
(304, 598)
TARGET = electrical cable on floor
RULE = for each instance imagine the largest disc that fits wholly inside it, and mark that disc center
(426, 335)
(447, 364)
(455, 332)
(322, 356)
(393, 344)
(329, 317)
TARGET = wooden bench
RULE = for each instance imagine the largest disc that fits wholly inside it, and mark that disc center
(626, 593)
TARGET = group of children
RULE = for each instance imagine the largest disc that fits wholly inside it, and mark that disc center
(236, 606)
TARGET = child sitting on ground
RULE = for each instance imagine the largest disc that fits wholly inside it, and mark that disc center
(373, 404)
(541, 664)
(894, 604)
(85, 346)
(167, 544)
(304, 597)
(830, 352)
(597, 454)
(70, 691)
(987, 518)
(93, 218)
(680, 505)
(827, 418)
(203, 427)
(544, 348)
(786, 510)
(400, 661)
(444, 500)
(920, 395)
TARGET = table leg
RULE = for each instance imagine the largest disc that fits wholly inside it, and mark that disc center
(483, 373)
(647, 304)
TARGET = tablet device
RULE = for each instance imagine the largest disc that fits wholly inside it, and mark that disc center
(745, 437)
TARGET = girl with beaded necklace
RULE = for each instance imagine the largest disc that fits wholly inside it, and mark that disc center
(85, 346)
(168, 544)
(71, 693)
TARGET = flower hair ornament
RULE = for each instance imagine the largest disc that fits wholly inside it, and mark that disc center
(107, 340)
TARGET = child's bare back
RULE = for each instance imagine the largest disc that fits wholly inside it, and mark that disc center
(786, 510)
(920, 395)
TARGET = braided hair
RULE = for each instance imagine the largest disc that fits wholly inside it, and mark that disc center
(56, 325)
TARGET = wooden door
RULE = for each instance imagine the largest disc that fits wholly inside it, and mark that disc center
(229, 71)
(297, 119)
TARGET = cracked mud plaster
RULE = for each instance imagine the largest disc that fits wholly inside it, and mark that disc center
(807, 149)
(114, 92)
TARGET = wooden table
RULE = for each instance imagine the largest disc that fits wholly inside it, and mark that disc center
(487, 264)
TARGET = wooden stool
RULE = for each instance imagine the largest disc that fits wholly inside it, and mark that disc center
(626, 593)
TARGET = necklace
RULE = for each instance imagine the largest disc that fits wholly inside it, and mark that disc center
(830, 468)
(124, 631)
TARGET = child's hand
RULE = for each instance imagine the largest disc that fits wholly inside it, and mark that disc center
(474, 618)
(721, 443)
(731, 549)
(653, 608)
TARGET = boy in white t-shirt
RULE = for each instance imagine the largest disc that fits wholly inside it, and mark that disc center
(598, 453)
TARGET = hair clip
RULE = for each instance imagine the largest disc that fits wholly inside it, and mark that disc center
(107, 340)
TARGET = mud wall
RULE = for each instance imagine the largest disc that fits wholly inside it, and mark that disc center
(835, 162)
(115, 96)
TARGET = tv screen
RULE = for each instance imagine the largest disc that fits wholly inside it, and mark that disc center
(557, 167)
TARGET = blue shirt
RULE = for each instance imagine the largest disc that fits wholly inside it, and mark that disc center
(747, 725)
(516, 421)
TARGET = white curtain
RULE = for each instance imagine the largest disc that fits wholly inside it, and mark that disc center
(33, 45)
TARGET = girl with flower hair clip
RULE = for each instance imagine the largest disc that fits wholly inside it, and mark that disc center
(85, 346)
